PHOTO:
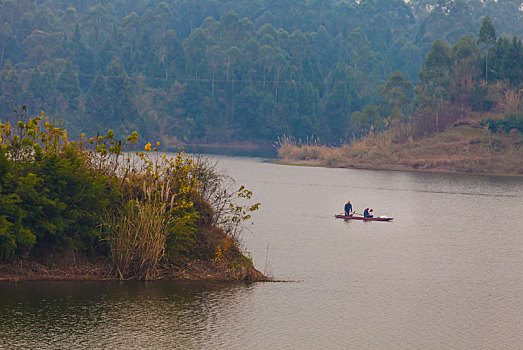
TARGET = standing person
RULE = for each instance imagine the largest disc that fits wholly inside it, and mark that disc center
(348, 209)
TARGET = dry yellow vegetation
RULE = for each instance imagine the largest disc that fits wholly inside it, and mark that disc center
(464, 147)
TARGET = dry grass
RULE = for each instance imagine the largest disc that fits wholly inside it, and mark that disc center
(463, 148)
(140, 232)
(511, 102)
(138, 240)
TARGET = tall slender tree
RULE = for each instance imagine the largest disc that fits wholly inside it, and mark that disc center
(434, 78)
(487, 37)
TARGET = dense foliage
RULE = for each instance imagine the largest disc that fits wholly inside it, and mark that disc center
(453, 80)
(89, 198)
(507, 124)
(50, 200)
(204, 71)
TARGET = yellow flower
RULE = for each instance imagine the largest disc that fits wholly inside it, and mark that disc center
(218, 254)
(157, 144)
(148, 146)
(83, 135)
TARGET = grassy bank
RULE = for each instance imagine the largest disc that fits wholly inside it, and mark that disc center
(87, 209)
(463, 147)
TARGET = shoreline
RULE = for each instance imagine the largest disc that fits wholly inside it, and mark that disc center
(434, 170)
(463, 148)
(99, 270)
(237, 148)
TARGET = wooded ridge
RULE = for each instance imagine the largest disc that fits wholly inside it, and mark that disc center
(219, 71)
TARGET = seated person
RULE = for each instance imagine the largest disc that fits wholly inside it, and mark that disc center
(366, 213)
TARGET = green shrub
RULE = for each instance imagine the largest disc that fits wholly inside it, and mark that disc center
(511, 122)
(89, 197)
(51, 200)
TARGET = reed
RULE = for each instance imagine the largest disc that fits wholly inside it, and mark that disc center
(157, 196)
(511, 102)
(289, 148)
(140, 231)
(138, 240)
(177, 209)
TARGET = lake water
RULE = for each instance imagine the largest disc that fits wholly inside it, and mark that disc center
(447, 273)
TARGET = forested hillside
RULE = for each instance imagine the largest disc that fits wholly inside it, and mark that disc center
(251, 70)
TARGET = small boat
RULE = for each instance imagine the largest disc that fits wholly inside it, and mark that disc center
(352, 217)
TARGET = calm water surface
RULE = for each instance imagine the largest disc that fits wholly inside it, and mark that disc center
(447, 273)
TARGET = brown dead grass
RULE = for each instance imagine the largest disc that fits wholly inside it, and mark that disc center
(464, 147)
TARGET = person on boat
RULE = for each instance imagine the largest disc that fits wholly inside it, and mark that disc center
(367, 213)
(348, 209)
(371, 213)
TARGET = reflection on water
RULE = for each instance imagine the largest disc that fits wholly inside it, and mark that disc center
(112, 314)
(446, 273)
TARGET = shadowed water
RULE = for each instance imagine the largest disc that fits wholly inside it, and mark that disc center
(447, 273)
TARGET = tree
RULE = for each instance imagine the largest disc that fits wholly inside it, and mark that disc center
(99, 20)
(174, 58)
(220, 47)
(6, 35)
(247, 109)
(68, 85)
(120, 92)
(337, 102)
(434, 78)
(366, 120)
(487, 36)
(130, 25)
(194, 51)
(394, 93)
(513, 62)
(467, 68)
(409, 60)
(98, 105)
(10, 89)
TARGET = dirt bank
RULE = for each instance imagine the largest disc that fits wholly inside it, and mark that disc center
(100, 269)
(464, 147)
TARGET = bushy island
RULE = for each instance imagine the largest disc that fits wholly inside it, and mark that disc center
(90, 209)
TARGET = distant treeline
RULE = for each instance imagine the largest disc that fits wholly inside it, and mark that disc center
(221, 71)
